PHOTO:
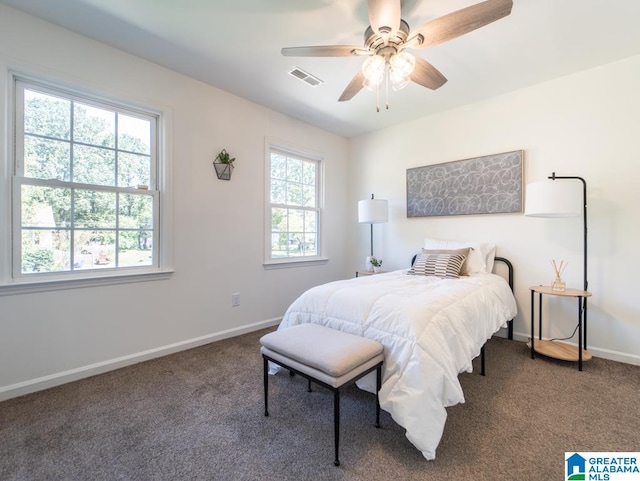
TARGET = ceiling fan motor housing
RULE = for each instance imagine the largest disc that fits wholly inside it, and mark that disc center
(386, 45)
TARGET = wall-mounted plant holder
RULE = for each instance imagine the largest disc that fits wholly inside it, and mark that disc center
(223, 163)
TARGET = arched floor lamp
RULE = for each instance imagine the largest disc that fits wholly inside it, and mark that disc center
(549, 198)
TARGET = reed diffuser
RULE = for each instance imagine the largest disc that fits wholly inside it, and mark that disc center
(558, 284)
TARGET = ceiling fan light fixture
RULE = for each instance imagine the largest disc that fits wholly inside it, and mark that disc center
(398, 83)
(373, 68)
(372, 85)
(402, 64)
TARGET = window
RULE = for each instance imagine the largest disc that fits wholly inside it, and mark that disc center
(85, 186)
(293, 214)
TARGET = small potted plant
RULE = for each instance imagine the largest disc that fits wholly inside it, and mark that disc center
(223, 164)
(376, 263)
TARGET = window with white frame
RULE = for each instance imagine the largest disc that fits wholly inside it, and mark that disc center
(294, 206)
(85, 186)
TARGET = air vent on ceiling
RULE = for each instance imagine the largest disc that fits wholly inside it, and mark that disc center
(306, 77)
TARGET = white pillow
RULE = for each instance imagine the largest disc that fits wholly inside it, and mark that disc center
(490, 255)
(480, 258)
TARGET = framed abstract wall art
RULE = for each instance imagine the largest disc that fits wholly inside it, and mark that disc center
(491, 184)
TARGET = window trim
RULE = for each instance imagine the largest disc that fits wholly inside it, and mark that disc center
(161, 145)
(305, 154)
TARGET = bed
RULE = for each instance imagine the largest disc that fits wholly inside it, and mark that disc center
(431, 328)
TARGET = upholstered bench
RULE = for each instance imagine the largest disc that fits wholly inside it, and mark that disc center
(328, 357)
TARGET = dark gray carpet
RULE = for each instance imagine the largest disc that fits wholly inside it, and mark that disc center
(198, 415)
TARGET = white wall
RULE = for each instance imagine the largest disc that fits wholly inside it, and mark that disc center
(587, 125)
(50, 337)
(583, 125)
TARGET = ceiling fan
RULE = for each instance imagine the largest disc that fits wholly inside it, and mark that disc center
(388, 37)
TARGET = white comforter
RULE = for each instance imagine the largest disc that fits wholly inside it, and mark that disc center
(431, 330)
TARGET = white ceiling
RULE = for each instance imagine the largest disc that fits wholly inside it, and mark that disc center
(235, 45)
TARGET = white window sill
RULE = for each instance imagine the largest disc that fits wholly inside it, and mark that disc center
(40, 285)
(289, 262)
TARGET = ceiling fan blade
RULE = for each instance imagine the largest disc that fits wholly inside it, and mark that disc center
(462, 21)
(325, 51)
(384, 16)
(353, 88)
(427, 75)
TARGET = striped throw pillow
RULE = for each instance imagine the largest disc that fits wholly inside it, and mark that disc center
(446, 266)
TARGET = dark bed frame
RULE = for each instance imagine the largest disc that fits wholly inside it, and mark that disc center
(509, 265)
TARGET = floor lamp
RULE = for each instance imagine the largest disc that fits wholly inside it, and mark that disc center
(373, 211)
(549, 198)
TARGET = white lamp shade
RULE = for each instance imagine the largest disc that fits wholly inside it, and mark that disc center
(373, 211)
(554, 198)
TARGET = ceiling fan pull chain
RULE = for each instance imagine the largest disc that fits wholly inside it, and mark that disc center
(378, 97)
(386, 84)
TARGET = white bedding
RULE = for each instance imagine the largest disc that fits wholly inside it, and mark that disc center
(431, 329)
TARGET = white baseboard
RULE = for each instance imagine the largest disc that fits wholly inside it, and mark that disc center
(623, 357)
(52, 380)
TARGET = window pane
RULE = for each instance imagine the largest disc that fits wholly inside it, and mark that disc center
(82, 258)
(47, 115)
(309, 196)
(279, 220)
(93, 165)
(46, 159)
(45, 250)
(310, 245)
(294, 244)
(134, 170)
(100, 244)
(93, 125)
(296, 220)
(294, 194)
(45, 206)
(94, 209)
(310, 222)
(294, 170)
(278, 166)
(278, 191)
(279, 245)
(136, 211)
(135, 248)
(134, 135)
(309, 173)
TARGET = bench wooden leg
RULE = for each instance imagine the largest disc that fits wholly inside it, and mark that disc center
(336, 422)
